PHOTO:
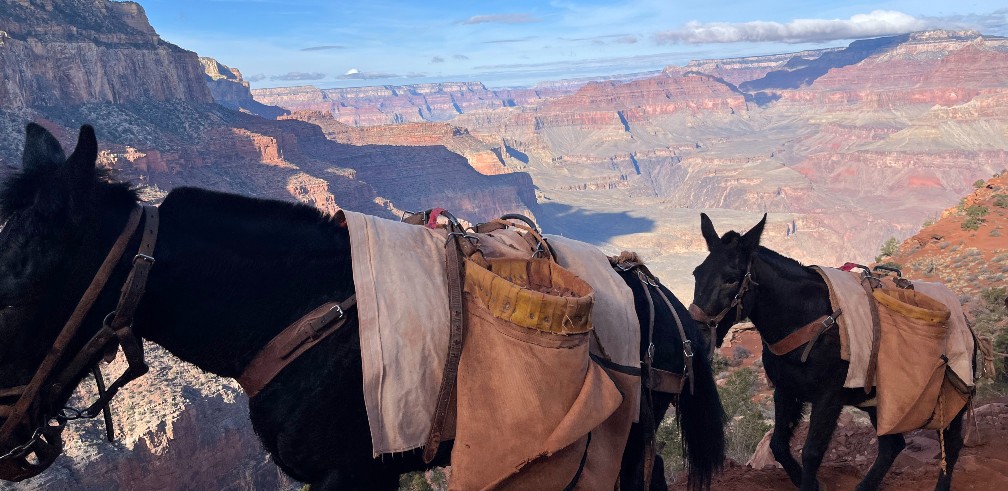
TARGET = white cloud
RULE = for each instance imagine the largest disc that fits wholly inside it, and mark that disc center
(876, 23)
(502, 19)
(352, 71)
(293, 76)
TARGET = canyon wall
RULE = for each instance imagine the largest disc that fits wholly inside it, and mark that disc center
(64, 52)
(389, 104)
(230, 90)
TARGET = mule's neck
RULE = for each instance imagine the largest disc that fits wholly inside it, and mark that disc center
(787, 296)
(232, 272)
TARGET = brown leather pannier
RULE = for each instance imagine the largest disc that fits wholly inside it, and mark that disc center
(915, 387)
(534, 411)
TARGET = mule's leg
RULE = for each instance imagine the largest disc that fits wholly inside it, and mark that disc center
(822, 422)
(889, 446)
(953, 444)
(658, 482)
(787, 412)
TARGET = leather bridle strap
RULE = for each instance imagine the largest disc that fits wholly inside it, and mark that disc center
(118, 325)
(292, 342)
(805, 335)
(712, 322)
(30, 392)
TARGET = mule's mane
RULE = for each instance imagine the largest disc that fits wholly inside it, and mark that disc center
(783, 265)
(263, 219)
(16, 191)
(730, 237)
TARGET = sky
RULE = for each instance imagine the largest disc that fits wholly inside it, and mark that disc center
(337, 43)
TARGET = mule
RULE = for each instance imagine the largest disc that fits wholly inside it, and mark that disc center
(229, 273)
(740, 279)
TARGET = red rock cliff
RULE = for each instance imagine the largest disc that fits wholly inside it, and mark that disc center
(61, 52)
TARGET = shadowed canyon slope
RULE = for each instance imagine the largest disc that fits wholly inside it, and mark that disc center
(152, 104)
(842, 146)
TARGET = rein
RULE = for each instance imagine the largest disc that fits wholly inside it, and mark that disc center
(45, 441)
(712, 322)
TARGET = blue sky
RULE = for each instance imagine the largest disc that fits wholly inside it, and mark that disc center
(371, 42)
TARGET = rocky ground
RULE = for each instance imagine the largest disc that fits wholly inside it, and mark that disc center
(983, 463)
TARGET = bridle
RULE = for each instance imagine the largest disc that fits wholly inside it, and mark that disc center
(47, 384)
(712, 322)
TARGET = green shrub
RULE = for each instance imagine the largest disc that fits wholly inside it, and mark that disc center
(990, 318)
(417, 481)
(719, 363)
(979, 184)
(974, 217)
(670, 443)
(977, 211)
(746, 425)
(1001, 200)
(889, 247)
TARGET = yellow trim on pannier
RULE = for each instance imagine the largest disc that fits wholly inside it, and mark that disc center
(913, 304)
(536, 294)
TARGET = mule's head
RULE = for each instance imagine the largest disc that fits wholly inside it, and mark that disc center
(52, 231)
(720, 280)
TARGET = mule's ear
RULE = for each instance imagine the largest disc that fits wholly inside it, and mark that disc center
(709, 234)
(751, 238)
(86, 153)
(41, 148)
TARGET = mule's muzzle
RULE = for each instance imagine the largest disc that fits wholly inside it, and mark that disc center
(33, 457)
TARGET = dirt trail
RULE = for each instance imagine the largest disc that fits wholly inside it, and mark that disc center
(983, 463)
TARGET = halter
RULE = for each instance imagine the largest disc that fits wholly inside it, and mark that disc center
(46, 442)
(712, 322)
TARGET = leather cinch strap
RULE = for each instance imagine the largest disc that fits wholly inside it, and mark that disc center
(453, 261)
(866, 283)
(292, 342)
(805, 335)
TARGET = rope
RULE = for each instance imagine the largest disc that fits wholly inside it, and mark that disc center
(972, 417)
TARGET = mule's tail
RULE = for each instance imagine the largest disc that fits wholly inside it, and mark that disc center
(701, 419)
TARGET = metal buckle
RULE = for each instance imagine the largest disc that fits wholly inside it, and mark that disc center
(650, 351)
(828, 322)
(687, 348)
(143, 257)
